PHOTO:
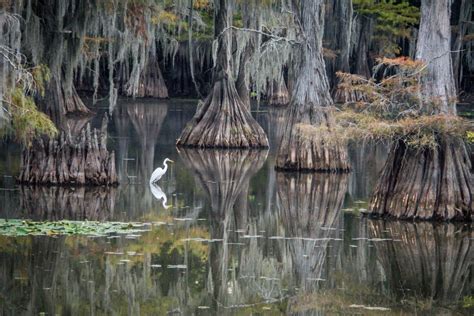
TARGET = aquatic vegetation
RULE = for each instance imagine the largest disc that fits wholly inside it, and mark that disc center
(19, 227)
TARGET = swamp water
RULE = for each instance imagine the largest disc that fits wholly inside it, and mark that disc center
(224, 233)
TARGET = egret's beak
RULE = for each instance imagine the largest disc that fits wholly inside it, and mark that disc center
(171, 161)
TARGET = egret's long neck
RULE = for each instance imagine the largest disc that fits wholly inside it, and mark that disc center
(165, 164)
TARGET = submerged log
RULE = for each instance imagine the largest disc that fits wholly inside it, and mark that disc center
(428, 183)
(77, 160)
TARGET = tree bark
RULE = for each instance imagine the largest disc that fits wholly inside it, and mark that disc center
(429, 183)
(465, 11)
(82, 160)
(60, 101)
(278, 94)
(223, 120)
(311, 105)
(152, 83)
(434, 48)
(337, 37)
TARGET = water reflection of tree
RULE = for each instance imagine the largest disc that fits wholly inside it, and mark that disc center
(310, 207)
(367, 161)
(147, 120)
(74, 203)
(426, 262)
(224, 175)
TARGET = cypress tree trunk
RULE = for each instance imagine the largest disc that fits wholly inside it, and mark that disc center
(361, 60)
(278, 94)
(311, 105)
(429, 183)
(223, 120)
(465, 10)
(337, 33)
(70, 159)
(59, 100)
(152, 83)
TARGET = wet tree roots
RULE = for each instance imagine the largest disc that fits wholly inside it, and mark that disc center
(69, 160)
(427, 184)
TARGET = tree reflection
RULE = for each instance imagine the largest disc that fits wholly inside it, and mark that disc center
(224, 175)
(425, 262)
(147, 120)
(310, 206)
(73, 203)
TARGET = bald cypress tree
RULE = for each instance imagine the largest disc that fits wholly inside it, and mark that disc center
(429, 182)
(223, 120)
(304, 145)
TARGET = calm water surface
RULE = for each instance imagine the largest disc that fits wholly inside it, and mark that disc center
(226, 235)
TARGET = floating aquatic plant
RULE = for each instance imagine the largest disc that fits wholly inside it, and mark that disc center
(20, 227)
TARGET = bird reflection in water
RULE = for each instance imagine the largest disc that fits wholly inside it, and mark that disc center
(159, 194)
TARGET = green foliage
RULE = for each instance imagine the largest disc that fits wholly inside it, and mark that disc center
(25, 120)
(19, 227)
(393, 20)
(470, 136)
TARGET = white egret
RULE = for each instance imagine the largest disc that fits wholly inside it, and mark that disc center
(159, 194)
(159, 172)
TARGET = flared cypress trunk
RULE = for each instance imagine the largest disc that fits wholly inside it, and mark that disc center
(60, 100)
(429, 183)
(70, 160)
(151, 84)
(278, 94)
(223, 120)
(311, 105)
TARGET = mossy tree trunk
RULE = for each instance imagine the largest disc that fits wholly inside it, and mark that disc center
(429, 182)
(70, 159)
(223, 120)
(311, 105)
